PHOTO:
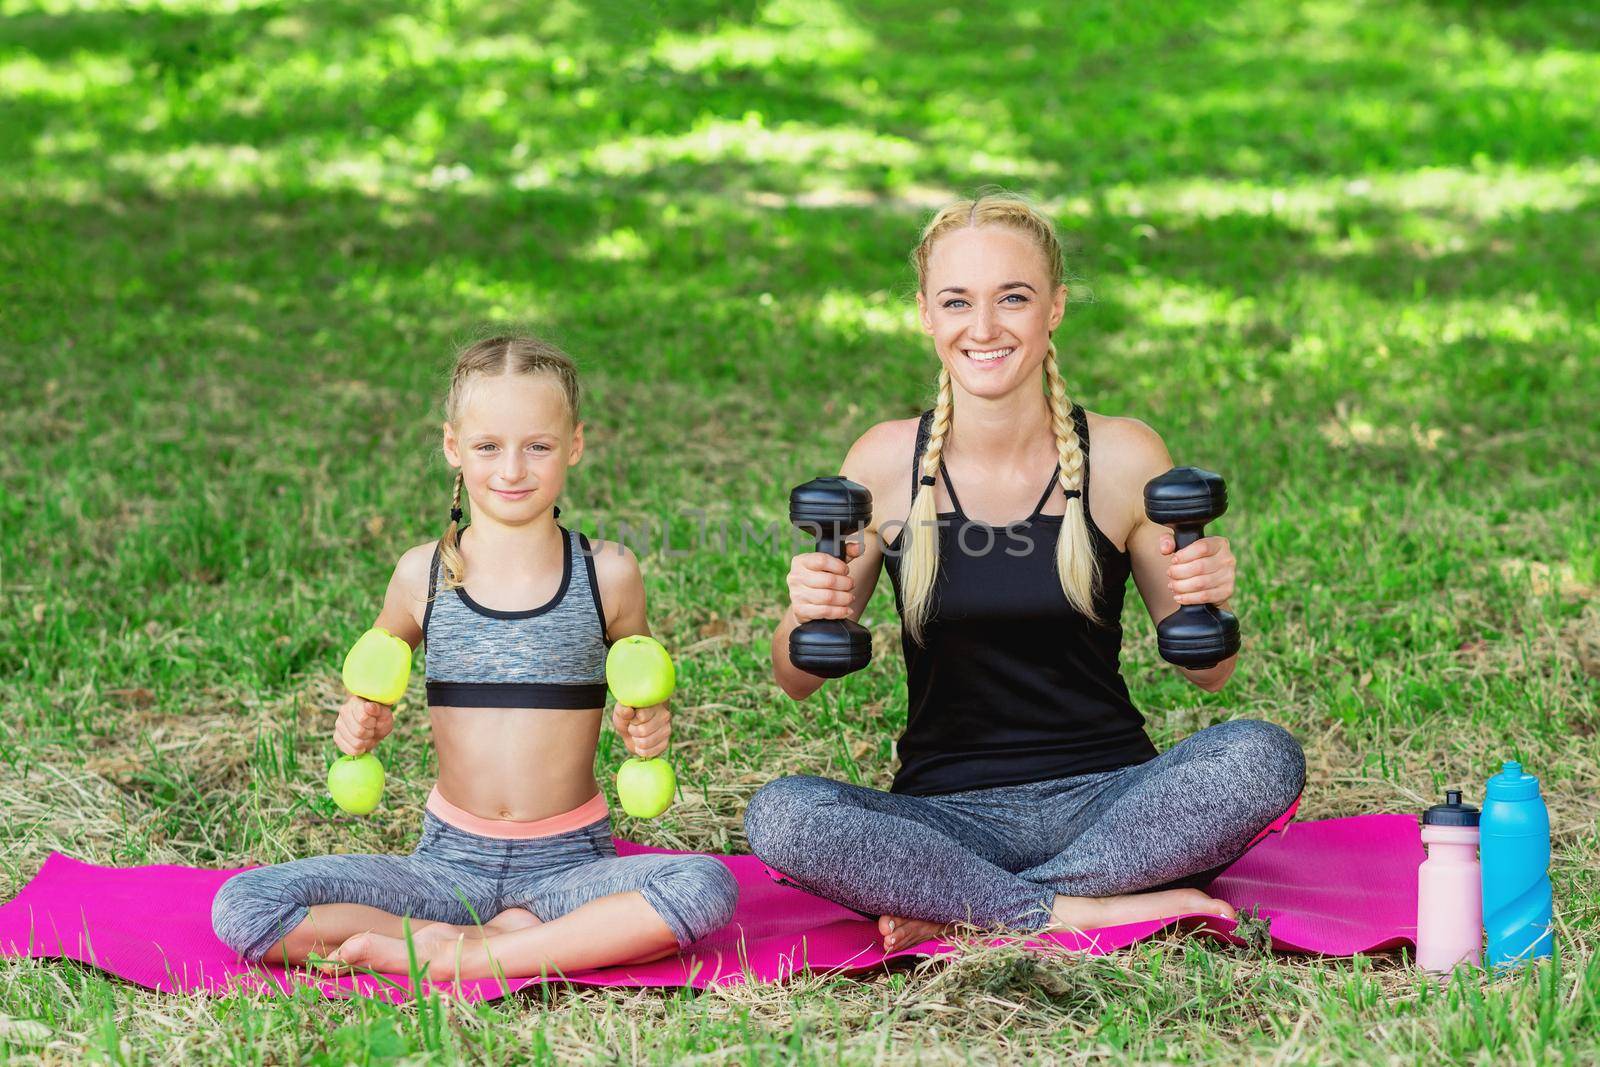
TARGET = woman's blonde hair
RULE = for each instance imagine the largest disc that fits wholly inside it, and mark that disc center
(491, 357)
(1076, 564)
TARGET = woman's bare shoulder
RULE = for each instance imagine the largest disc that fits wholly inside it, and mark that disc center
(882, 454)
(1122, 448)
(881, 460)
(1124, 454)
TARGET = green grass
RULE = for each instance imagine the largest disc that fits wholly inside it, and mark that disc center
(1343, 253)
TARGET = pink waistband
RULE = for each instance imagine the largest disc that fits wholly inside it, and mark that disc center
(592, 810)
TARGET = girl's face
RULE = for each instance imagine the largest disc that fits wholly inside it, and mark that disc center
(990, 304)
(513, 444)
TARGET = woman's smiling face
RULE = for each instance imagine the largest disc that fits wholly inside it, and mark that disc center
(513, 444)
(989, 304)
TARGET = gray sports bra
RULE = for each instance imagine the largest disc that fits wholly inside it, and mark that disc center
(552, 656)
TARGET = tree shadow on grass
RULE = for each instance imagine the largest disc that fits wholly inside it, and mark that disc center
(1031, 99)
(790, 309)
(1550, 252)
(1571, 25)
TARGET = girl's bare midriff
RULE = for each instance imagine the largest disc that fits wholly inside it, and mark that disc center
(517, 764)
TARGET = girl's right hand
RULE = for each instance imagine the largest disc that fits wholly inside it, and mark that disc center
(362, 724)
(820, 586)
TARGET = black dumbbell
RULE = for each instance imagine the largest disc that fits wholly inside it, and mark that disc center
(830, 509)
(1186, 498)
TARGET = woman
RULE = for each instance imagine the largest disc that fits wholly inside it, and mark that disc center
(1028, 795)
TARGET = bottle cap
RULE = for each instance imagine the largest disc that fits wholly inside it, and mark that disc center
(1512, 783)
(1451, 813)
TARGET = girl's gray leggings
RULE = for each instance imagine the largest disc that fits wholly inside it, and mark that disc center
(998, 857)
(463, 878)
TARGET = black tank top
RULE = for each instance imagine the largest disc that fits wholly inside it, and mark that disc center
(1011, 683)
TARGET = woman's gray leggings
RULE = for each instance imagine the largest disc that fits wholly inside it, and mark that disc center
(998, 857)
(463, 878)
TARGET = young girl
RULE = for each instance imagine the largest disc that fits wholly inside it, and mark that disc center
(1028, 793)
(515, 873)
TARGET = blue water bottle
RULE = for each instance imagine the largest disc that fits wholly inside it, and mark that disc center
(1514, 841)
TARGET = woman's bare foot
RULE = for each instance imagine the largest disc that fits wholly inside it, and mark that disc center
(1073, 913)
(1087, 913)
(900, 932)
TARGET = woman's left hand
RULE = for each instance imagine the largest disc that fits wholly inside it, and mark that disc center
(1202, 573)
(644, 730)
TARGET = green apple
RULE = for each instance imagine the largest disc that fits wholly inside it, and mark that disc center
(356, 783)
(646, 786)
(378, 666)
(640, 672)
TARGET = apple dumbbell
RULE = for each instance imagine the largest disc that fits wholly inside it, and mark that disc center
(377, 668)
(640, 674)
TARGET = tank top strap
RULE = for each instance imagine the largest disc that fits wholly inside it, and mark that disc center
(433, 590)
(1044, 497)
(1080, 423)
(950, 487)
(1080, 426)
(923, 426)
(583, 557)
(924, 431)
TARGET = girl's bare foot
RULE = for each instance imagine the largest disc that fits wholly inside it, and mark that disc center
(379, 952)
(440, 958)
(899, 932)
(433, 943)
(1087, 913)
(428, 936)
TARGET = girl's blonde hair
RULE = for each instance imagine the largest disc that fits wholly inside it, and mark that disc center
(1076, 563)
(491, 357)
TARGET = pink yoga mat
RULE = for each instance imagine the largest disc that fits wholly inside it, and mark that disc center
(1337, 887)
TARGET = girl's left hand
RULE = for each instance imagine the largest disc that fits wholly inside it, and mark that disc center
(644, 730)
(1202, 573)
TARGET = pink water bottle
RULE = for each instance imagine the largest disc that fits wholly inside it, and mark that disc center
(1450, 888)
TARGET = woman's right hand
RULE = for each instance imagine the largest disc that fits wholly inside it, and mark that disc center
(820, 586)
(362, 724)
